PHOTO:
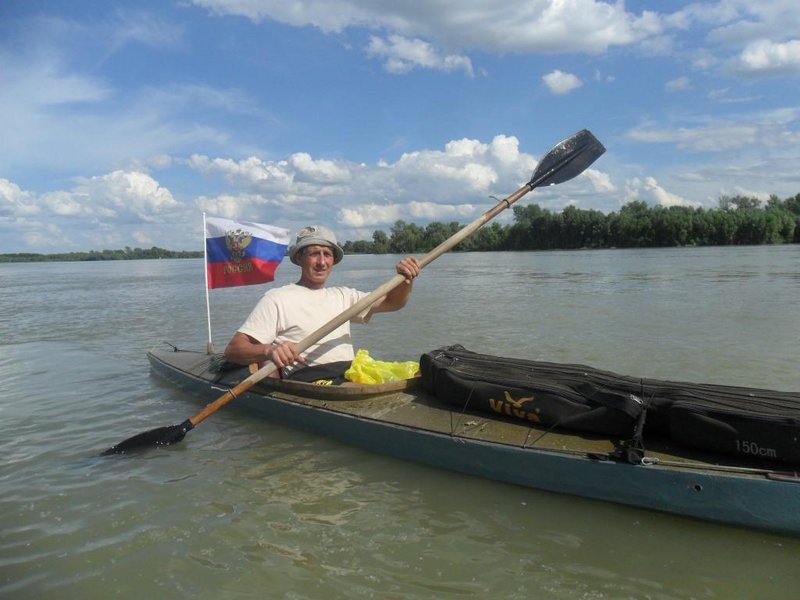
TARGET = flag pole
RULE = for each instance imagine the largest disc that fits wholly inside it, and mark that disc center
(210, 345)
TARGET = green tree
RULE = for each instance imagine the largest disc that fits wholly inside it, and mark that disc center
(405, 238)
(487, 238)
(436, 233)
(634, 227)
(729, 202)
(380, 242)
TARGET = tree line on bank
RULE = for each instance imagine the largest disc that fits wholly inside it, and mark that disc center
(126, 254)
(737, 220)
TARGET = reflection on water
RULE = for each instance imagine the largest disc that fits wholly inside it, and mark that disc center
(243, 508)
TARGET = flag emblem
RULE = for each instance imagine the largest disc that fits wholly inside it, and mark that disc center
(236, 242)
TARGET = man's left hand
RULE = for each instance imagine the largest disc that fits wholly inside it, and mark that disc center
(409, 268)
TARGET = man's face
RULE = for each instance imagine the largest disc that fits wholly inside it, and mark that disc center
(316, 263)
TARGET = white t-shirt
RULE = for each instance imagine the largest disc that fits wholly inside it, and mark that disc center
(292, 312)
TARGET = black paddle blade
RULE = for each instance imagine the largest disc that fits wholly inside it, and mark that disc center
(567, 159)
(161, 436)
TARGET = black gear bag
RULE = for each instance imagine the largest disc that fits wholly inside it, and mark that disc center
(749, 422)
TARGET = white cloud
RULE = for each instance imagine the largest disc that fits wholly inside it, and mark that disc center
(650, 191)
(746, 39)
(119, 195)
(140, 27)
(598, 76)
(601, 182)
(370, 215)
(742, 21)
(448, 184)
(535, 26)
(707, 13)
(317, 171)
(561, 83)
(760, 129)
(465, 147)
(465, 166)
(43, 235)
(379, 215)
(14, 201)
(712, 138)
(401, 55)
(234, 206)
(98, 211)
(127, 193)
(764, 57)
(677, 85)
(142, 238)
(505, 150)
(429, 211)
(49, 86)
(300, 179)
(69, 204)
(746, 192)
(175, 98)
(251, 170)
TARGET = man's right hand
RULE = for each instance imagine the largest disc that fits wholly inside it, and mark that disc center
(284, 354)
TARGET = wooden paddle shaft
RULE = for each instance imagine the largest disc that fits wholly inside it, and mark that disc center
(362, 304)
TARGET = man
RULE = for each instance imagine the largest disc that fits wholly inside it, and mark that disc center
(288, 314)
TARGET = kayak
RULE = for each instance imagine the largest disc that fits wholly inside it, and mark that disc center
(404, 419)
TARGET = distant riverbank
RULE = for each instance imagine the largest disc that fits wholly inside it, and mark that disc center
(94, 255)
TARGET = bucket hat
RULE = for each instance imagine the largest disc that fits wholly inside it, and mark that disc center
(315, 235)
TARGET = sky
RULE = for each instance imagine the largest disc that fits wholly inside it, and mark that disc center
(122, 122)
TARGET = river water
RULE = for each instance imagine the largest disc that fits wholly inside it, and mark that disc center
(247, 509)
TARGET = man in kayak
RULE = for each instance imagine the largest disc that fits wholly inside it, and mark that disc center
(288, 314)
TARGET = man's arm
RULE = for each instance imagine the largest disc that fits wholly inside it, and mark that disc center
(244, 349)
(396, 299)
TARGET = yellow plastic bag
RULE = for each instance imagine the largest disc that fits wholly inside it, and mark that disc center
(365, 369)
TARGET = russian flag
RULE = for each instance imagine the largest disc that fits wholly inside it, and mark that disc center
(242, 253)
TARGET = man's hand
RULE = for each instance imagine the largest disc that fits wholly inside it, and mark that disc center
(284, 354)
(409, 268)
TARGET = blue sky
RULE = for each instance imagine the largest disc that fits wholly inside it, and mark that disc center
(122, 122)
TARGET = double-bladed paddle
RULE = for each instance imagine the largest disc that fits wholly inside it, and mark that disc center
(564, 161)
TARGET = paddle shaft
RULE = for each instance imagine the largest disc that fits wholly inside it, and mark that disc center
(362, 304)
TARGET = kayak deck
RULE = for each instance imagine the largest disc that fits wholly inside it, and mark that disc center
(409, 423)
